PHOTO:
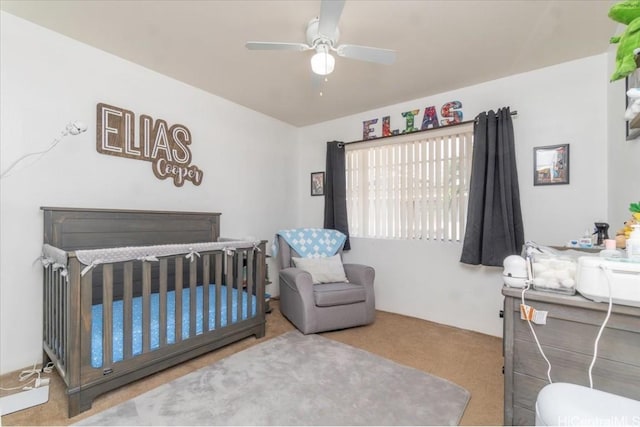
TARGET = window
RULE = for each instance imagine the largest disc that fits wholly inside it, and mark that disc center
(412, 186)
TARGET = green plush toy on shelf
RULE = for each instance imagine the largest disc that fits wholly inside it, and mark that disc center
(628, 13)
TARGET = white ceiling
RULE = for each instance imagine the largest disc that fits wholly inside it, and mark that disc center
(441, 45)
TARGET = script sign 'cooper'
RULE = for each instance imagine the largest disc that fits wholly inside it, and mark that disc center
(166, 147)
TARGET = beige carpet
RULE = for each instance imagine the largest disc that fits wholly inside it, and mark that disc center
(471, 360)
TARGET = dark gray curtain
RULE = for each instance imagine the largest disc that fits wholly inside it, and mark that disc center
(335, 191)
(494, 218)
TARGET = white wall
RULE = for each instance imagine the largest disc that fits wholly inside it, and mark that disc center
(562, 104)
(49, 80)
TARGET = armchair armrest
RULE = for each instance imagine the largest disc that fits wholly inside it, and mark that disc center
(298, 280)
(360, 274)
(294, 281)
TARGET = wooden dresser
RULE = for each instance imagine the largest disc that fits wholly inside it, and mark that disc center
(568, 342)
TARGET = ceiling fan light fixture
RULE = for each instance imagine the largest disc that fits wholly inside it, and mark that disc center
(323, 62)
(322, 37)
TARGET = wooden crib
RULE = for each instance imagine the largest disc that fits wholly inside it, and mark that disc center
(119, 317)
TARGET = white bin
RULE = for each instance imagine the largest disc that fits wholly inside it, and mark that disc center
(562, 404)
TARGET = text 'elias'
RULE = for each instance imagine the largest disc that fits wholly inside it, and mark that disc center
(167, 148)
(450, 112)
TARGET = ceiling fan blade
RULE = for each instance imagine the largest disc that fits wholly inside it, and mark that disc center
(330, 11)
(365, 53)
(276, 46)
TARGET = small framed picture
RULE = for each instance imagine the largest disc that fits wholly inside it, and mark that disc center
(551, 165)
(631, 81)
(317, 183)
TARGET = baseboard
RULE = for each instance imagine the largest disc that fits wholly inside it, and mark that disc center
(25, 399)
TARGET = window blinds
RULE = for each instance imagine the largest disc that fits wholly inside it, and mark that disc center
(412, 186)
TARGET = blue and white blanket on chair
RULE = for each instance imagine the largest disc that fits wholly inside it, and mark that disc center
(311, 242)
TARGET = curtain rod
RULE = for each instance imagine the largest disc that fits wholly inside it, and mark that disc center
(513, 113)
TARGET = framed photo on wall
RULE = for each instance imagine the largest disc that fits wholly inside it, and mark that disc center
(633, 126)
(317, 183)
(551, 165)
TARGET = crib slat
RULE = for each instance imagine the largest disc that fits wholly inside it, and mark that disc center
(50, 305)
(178, 297)
(52, 326)
(250, 278)
(146, 306)
(54, 320)
(239, 283)
(229, 284)
(261, 273)
(62, 283)
(50, 302)
(65, 318)
(107, 316)
(218, 282)
(193, 281)
(57, 324)
(86, 298)
(46, 302)
(127, 308)
(57, 314)
(205, 292)
(60, 313)
(163, 302)
(78, 348)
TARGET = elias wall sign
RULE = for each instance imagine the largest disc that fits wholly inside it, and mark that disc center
(166, 147)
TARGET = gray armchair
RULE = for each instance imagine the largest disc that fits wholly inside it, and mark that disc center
(325, 306)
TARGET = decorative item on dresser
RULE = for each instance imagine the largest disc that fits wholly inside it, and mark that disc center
(128, 293)
(567, 339)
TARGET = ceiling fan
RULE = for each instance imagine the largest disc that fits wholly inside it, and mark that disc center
(322, 36)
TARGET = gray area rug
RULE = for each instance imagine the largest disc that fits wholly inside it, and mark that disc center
(296, 379)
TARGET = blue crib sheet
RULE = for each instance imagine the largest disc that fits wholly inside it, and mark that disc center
(118, 320)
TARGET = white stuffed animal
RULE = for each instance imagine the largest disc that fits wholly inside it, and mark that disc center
(634, 97)
(634, 106)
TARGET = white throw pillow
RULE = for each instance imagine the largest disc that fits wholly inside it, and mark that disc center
(322, 270)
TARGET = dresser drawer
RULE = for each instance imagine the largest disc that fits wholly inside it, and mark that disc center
(523, 416)
(625, 318)
(615, 344)
(526, 389)
(571, 367)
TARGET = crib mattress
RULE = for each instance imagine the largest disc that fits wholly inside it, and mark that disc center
(118, 320)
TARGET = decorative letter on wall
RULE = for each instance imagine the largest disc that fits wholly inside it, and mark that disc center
(409, 115)
(430, 118)
(166, 147)
(450, 110)
(367, 130)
